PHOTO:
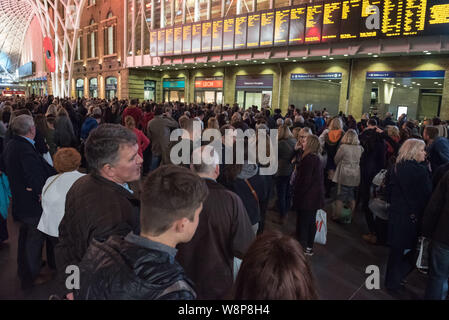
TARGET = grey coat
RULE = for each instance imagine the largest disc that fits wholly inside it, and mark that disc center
(347, 160)
(286, 151)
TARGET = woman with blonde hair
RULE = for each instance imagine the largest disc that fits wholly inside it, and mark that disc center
(212, 123)
(409, 187)
(308, 193)
(347, 173)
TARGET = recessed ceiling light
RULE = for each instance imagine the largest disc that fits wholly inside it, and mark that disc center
(405, 86)
(413, 82)
(440, 84)
(247, 59)
(193, 67)
(329, 80)
(286, 59)
(346, 55)
(374, 82)
(294, 60)
(425, 51)
(369, 53)
(331, 58)
(435, 83)
(213, 66)
(384, 80)
(168, 67)
(323, 56)
(236, 64)
(375, 56)
(255, 61)
(418, 84)
(228, 63)
(263, 62)
(304, 58)
(428, 53)
(205, 64)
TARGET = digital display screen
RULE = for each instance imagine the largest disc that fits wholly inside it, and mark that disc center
(241, 25)
(331, 21)
(371, 9)
(437, 17)
(153, 43)
(351, 11)
(196, 38)
(228, 34)
(186, 39)
(266, 29)
(177, 40)
(169, 42)
(161, 42)
(297, 25)
(281, 24)
(206, 37)
(314, 23)
(217, 35)
(253, 30)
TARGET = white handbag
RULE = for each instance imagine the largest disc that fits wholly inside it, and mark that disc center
(321, 227)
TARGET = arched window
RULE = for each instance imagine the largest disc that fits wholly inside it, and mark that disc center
(93, 88)
(92, 41)
(79, 88)
(111, 88)
(109, 37)
(79, 48)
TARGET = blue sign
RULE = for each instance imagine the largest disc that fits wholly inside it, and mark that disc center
(27, 69)
(439, 74)
(173, 84)
(322, 76)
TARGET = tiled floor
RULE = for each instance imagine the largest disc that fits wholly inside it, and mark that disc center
(339, 266)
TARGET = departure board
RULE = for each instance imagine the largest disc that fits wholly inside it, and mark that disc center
(241, 24)
(161, 42)
(281, 24)
(414, 17)
(177, 40)
(266, 29)
(371, 9)
(196, 37)
(314, 21)
(228, 34)
(350, 19)
(217, 35)
(392, 18)
(253, 33)
(186, 39)
(331, 21)
(169, 41)
(437, 17)
(206, 37)
(153, 43)
(297, 25)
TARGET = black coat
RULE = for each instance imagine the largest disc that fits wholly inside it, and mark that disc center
(26, 169)
(408, 191)
(120, 270)
(373, 156)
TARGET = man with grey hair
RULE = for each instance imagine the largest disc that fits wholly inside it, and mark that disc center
(27, 172)
(101, 203)
(224, 232)
(388, 121)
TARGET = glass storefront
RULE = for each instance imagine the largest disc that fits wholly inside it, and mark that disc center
(174, 90)
(79, 88)
(209, 90)
(415, 93)
(149, 88)
(254, 90)
(111, 88)
(93, 88)
(307, 90)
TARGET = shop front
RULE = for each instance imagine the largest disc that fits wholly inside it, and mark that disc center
(149, 87)
(209, 90)
(254, 90)
(316, 91)
(418, 94)
(79, 88)
(111, 88)
(174, 90)
(93, 88)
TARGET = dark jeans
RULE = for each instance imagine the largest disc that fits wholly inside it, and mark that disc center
(398, 267)
(155, 162)
(365, 194)
(29, 253)
(3, 229)
(306, 228)
(50, 244)
(283, 191)
(437, 284)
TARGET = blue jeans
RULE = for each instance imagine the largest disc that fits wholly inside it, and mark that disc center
(283, 190)
(155, 162)
(437, 285)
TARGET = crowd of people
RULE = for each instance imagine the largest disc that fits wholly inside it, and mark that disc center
(93, 181)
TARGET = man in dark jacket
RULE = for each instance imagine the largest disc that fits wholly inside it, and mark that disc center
(27, 172)
(437, 147)
(224, 232)
(101, 203)
(143, 266)
(436, 227)
(388, 121)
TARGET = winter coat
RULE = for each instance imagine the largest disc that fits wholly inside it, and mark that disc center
(373, 156)
(158, 131)
(122, 270)
(286, 151)
(438, 152)
(331, 141)
(347, 160)
(408, 191)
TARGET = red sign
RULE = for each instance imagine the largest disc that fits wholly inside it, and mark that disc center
(49, 54)
(5, 92)
(209, 84)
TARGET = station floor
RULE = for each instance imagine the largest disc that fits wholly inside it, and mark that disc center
(338, 267)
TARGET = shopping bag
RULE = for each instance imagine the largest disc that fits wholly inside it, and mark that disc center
(321, 227)
(423, 254)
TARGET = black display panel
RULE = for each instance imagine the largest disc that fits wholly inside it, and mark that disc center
(228, 34)
(314, 23)
(331, 21)
(169, 41)
(161, 42)
(187, 39)
(414, 20)
(196, 38)
(217, 35)
(351, 11)
(206, 37)
(266, 29)
(153, 43)
(393, 12)
(177, 40)
(281, 24)
(241, 25)
(297, 25)
(437, 17)
(253, 33)
(371, 19)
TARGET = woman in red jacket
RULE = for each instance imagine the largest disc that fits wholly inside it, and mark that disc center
(308, 195)
(142, 140)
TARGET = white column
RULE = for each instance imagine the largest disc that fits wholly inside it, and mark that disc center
(162, 13)
(209, 10)
(153, 15)
(197, 11)
(239, 7)
(125, 34)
